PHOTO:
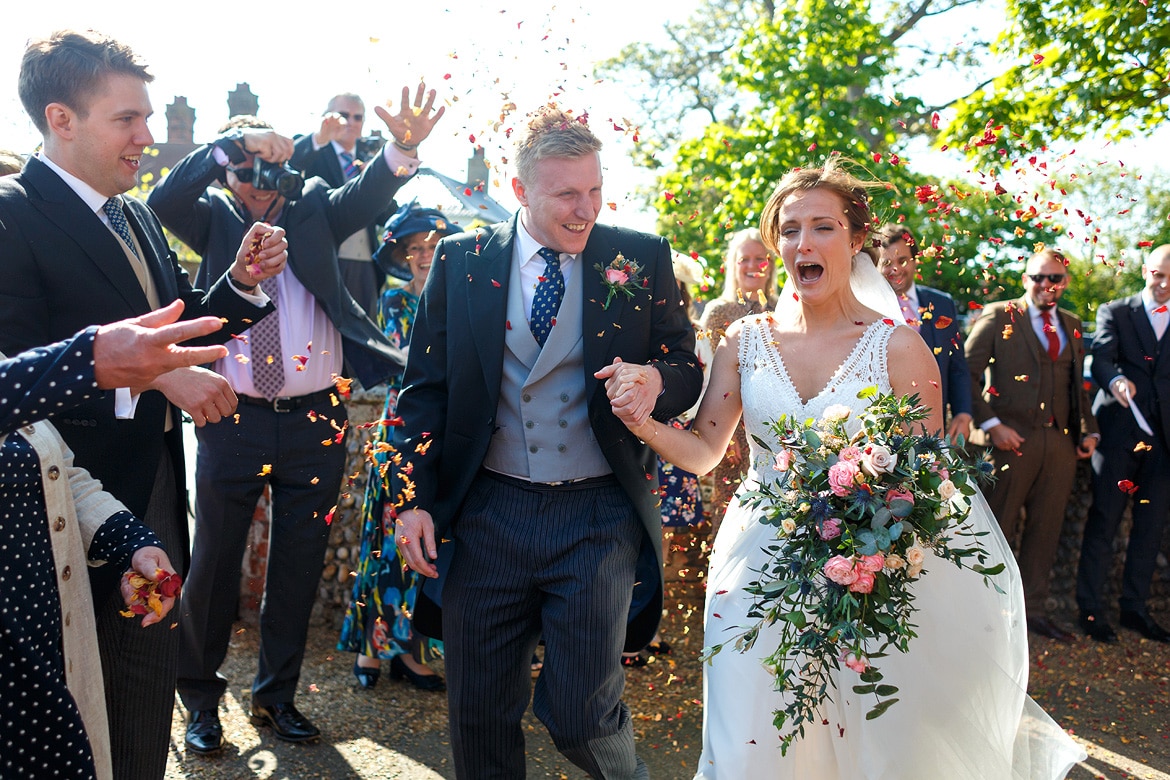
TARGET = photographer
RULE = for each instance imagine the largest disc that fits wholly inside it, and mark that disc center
(288, 408)
(337, 152)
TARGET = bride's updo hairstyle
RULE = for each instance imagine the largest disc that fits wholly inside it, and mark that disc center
(834, 176)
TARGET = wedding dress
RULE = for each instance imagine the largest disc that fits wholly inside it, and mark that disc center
(963, 711)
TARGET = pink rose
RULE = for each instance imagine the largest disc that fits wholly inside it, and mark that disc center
(851, 454)
(784, 460)
(841, 476)
(829, 529)
(864, 581)
(855, 662)
(893, 494)
(871, 562)
(616, 276)
(840, 570)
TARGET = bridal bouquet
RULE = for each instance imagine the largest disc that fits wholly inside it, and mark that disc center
(855, 516)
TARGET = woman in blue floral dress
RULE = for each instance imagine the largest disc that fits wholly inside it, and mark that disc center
(377, 622)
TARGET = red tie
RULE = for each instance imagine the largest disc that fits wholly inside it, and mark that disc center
(1050, 332)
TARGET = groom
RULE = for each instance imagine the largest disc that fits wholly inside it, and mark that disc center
(512, 459)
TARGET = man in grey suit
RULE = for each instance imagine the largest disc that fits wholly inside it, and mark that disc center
(511, 453)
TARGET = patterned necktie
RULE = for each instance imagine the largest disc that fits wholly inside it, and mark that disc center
(550, 291)
(1050, 332)
(117, 217)
(348, 166)
(909, 312)
(264, 338)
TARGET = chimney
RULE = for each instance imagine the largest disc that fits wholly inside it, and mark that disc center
(242, 101)
(477, 170)
(180, 122)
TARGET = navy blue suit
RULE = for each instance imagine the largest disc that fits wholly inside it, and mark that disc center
(940, 330)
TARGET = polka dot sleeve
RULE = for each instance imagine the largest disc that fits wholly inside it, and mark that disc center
(44, 381)
(119, 538)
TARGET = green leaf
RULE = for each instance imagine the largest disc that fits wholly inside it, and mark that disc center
(879, 709)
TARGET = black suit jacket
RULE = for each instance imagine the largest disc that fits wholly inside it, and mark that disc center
(208, 220)
(940, 330)
(1125, 345)
(451, 387)
(323, 162)
(62, 270)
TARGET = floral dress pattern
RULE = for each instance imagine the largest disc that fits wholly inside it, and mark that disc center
(377, 621)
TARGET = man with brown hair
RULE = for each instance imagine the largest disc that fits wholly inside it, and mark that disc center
(1026, 359)
(511, 451)
(75, 251)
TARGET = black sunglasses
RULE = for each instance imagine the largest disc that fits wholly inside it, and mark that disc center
(243, 174)
(1052, 278)
(348, 116)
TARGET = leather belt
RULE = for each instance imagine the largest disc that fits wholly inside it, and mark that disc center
(584, 483)
(289, 403)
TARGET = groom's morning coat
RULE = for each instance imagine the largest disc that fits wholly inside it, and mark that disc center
(451, 388)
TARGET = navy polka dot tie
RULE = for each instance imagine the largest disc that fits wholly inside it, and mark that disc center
(550, 291)
(117, 217)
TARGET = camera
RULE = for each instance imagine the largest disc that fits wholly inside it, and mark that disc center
(281, 177)
(367, 146)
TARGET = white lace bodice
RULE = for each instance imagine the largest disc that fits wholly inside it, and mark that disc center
(767, 390)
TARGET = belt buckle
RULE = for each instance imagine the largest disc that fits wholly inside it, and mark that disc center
(280, 408)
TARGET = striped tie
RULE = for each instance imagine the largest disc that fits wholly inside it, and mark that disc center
(349, 166)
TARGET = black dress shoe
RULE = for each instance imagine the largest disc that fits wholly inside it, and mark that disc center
(1097, 627)
(424, 682)
(285, 721)
(1144, 625)
(1046, 627)
(367, 676)
(204, 733)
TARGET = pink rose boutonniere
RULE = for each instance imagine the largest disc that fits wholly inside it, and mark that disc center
(621, 276)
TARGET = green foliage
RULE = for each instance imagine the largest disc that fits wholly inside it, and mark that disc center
(1076, 69)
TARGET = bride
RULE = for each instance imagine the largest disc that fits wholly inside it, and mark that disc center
(963, 709)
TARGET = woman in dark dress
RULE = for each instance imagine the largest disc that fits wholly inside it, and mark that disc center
(377, 622)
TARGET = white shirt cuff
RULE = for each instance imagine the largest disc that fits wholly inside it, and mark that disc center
(987, 425)
(125, 404)
(399, 162)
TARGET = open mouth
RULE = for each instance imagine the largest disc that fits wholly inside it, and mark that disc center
(809, 272)
(133, 161)
(577, 228)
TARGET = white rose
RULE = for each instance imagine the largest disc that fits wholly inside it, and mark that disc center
(788, 525)
(836, 413)
(894, 561)
(915, 556)
(877, 460)
(914, 571)
(947, 490)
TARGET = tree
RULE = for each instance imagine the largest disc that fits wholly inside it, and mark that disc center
(1074, 69)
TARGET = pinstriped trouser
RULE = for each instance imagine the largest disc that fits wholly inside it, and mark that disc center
(533, 561)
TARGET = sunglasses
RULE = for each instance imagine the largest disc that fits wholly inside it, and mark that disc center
(350, 117)
(243, 174)
(1052, 278)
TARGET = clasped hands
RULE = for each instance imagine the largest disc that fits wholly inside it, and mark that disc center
(633, 390)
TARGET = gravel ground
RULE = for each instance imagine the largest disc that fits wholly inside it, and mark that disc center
(1115, 699)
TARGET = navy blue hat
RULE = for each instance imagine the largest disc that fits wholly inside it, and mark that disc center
(407, 221)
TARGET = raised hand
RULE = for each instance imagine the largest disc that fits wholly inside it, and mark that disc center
(633, 390)
(411, 125)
